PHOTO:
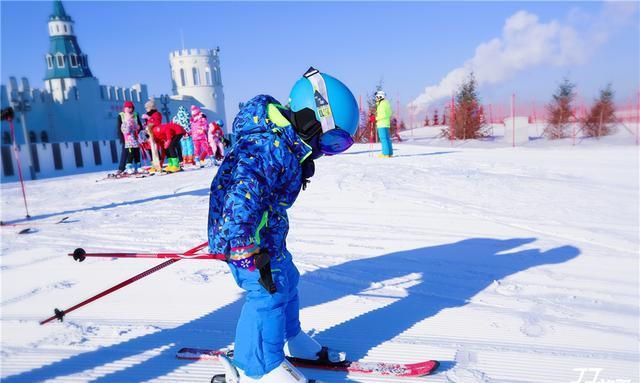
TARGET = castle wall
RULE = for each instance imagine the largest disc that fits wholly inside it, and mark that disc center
(60, 159)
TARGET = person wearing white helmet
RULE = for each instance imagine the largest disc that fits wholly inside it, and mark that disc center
(383, 123)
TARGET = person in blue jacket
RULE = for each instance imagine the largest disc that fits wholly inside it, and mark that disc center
(260, 178)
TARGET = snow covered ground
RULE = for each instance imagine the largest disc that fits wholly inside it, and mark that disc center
(507, 264)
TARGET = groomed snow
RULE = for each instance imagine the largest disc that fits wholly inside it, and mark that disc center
(507, 264)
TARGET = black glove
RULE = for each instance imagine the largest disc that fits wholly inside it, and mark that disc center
(7, 114)
(263, 264)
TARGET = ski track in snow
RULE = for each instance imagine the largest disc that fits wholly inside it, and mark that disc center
(507, 265)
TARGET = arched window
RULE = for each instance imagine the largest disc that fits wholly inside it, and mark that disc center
(49, 62)
(58, 28)
(32, 136)
(6, 138)
(182, 79)
(65, 28)
(60, 59)
(207, 76)
(74, 60)
(44, 136)
(71, 26)
(196, 76)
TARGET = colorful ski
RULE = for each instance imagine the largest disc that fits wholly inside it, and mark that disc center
(370, 368)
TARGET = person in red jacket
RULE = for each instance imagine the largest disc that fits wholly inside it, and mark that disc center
(168, 137)
(153, 119)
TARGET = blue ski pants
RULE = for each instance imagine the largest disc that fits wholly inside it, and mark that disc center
(385, 140)
(267, 320)
(186, 144)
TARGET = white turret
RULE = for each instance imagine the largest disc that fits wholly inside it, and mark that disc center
(196, 73)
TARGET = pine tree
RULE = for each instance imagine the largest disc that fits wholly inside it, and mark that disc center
(560, 111)
(467, 117)
(599, 122)
(364, 129)
(426, 120)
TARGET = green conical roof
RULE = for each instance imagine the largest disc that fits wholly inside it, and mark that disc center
(58, 12)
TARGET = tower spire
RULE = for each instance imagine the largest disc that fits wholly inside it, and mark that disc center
(58, 12)
(65, 58)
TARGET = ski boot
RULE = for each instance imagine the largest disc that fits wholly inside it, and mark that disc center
(285, 373)
(174, 165)
(304, 347)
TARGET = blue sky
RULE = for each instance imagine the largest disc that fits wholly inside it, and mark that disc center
(265, 47)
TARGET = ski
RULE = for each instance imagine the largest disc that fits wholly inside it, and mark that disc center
(35, 223)
(221, 379)
(355, 367)
(116, 176)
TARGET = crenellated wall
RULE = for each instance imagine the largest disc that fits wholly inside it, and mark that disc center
(60, 159)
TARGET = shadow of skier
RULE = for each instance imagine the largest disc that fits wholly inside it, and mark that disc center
(197, 193)
(451, 275)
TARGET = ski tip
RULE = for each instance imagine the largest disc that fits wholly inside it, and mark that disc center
(79, 254)
(28, 230)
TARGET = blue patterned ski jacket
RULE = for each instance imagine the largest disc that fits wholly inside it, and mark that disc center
(260, 178)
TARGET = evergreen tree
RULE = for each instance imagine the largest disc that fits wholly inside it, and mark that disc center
(599, 122)
(467, 117)
(560, 111)
(364, 129)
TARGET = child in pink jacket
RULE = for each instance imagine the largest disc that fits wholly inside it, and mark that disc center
(215, 136)
(199, 129)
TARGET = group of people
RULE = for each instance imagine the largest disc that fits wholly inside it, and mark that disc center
(187, 140)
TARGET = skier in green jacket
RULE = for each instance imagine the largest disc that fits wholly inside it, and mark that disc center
(383, 123)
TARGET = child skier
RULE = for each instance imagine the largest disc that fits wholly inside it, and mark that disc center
(216, 137)
(199, 127)
(153, 120)
(130, 126)
(271, 161)
(186, 143)
(168, 136)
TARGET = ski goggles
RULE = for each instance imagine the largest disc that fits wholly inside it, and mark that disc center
(333, 140)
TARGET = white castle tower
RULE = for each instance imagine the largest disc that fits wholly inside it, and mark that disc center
(196, 73)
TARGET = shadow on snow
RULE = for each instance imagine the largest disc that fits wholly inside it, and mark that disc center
(445, 276)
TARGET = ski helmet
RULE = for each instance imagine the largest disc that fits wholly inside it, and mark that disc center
(380, 95)
(325, 111)
(220, 123)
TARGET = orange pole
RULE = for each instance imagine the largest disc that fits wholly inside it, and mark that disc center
(638, 118)
(452, 125)
(513, 120)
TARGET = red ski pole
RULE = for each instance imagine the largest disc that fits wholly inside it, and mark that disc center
(59, 314)
(15, 151)
(80, 255)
